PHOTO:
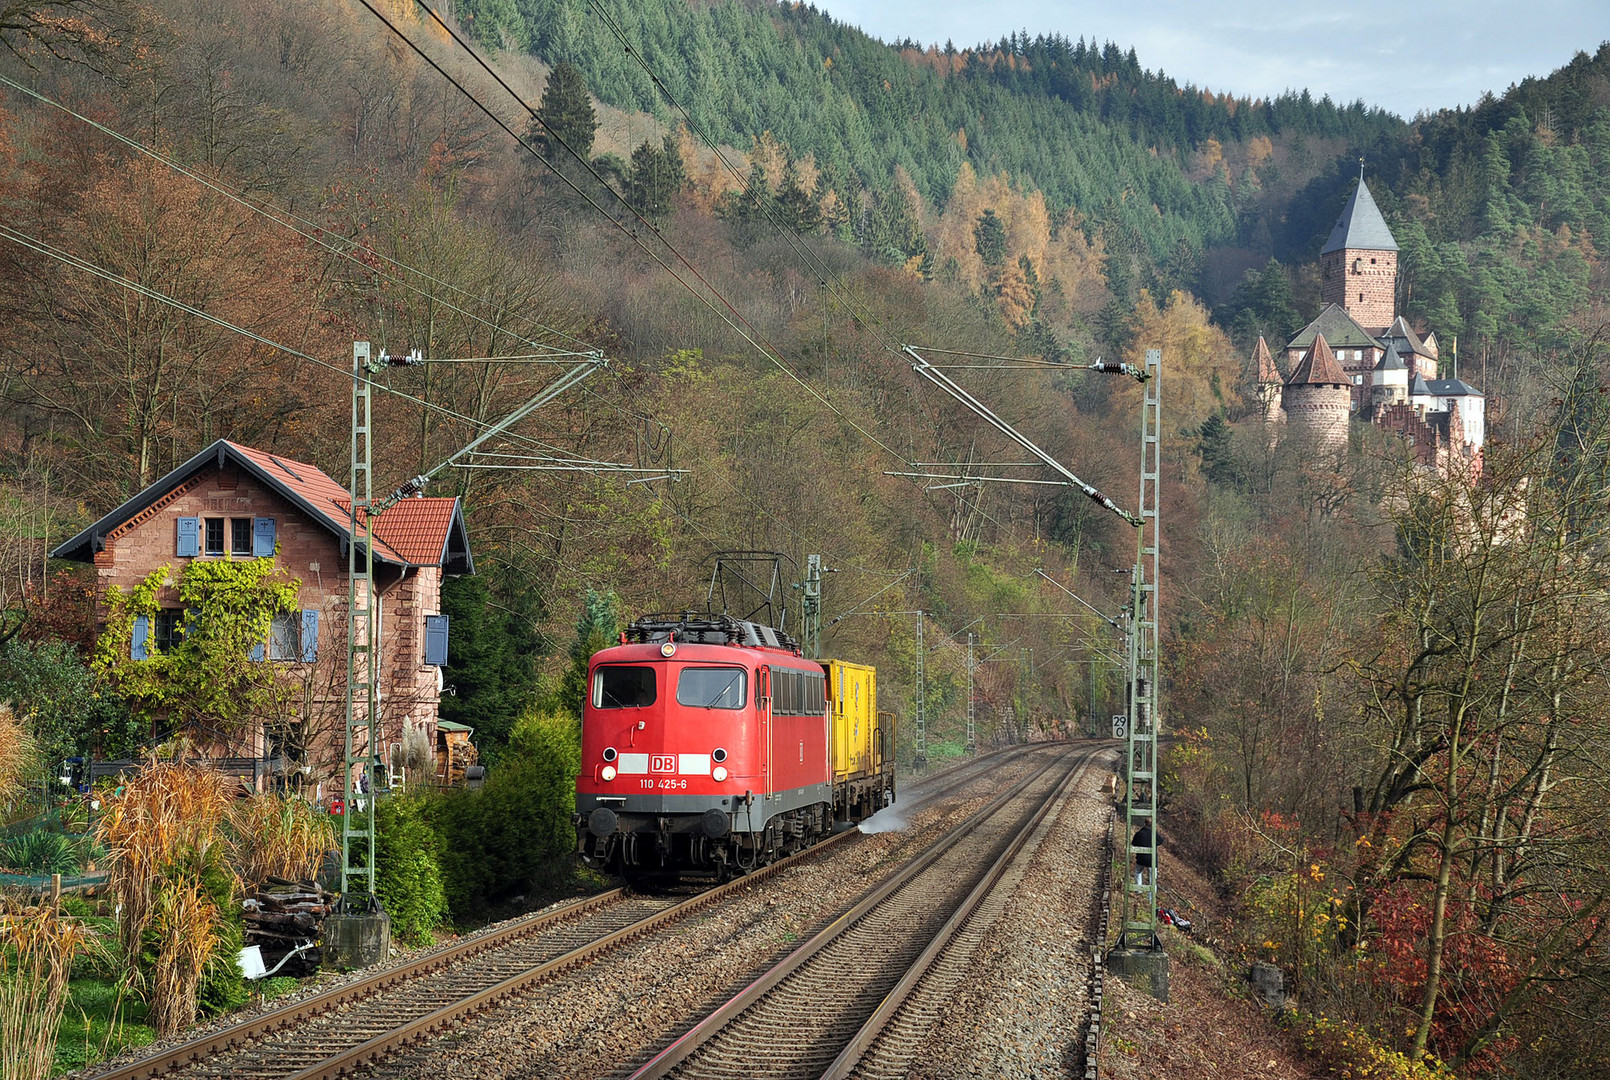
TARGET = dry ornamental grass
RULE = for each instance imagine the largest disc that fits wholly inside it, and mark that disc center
(36, 959)
(280, 836)
(165, 835)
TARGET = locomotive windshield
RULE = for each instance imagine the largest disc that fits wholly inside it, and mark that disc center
(711, 687)
(623, 686)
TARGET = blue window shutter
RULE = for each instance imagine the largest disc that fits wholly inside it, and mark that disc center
(436, 640)
(310, 636)
(258, 651)
(138, 650)
(262, 537)
(189, 544)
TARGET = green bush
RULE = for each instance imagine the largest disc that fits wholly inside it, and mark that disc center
(514, 834)
(410, 881)
(42, 852)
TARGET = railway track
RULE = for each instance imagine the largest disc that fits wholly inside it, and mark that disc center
(359, 1024)
(864, 991)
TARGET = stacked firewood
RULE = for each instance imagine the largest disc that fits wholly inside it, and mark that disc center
(282, 915)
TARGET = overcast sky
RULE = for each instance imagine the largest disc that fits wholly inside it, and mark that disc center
(1406, 56)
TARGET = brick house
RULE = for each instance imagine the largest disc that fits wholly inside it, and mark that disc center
(233, 502)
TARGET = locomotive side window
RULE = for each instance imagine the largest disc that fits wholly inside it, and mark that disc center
(711, 687)
(621, 686)
(785, 688)
(798, 693)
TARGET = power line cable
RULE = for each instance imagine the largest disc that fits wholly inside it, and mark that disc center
(731, 315)
(308, 230)
(24, 240)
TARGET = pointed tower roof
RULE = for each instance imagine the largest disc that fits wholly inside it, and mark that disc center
(1418, 388)
(1401, 331)
(1390, 360)
(1361, 226)
(1267, 372)
(1319, 368)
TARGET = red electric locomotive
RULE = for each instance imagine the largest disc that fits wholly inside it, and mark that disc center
(710, 744)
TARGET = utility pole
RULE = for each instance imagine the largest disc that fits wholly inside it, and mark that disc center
(972, 715)
(1139, 955)
(810, 628)
(363, 766)
(363, 633)
(920, 756)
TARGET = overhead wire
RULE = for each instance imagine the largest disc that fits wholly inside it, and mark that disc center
(316, 234)
(725, 311)
(791, 235)
(731, 316)
(78, 263)
(309, 230)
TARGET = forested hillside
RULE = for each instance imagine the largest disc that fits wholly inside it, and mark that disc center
(1388, 686)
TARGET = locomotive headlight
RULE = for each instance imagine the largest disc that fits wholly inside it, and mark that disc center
(719, 772)
(607, 772)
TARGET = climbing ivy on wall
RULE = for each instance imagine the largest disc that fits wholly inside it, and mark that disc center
(211, 680)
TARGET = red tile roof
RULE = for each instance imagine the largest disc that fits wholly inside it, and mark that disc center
(415, 531)
(1319, 367)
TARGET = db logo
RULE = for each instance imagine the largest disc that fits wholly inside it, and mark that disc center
(662, 763)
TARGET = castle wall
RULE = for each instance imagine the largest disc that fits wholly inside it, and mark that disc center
(1318, 413)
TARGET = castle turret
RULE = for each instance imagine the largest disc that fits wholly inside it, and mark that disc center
(1358, 266)
(1318, 396)
(1269, 382)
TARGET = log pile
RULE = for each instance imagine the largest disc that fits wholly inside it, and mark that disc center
(284, 914)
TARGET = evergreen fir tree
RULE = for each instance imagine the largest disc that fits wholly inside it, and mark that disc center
(491, 657)
(565, 118)
(654, 178)
(989, 240)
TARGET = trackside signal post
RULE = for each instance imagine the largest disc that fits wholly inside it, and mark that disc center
(1138, 956)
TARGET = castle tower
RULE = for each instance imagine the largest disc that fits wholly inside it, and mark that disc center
(1269, 383)
(1358, 266)
(1318, 397)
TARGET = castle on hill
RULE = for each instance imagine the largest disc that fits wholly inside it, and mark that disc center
(1361, 360)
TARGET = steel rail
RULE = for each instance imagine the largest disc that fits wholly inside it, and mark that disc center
(198, 1050)
(662, 1063)
(425, 1027)
(889, 1007)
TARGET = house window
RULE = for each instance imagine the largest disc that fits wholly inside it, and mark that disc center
(240, 536)
(167, 630)
(214, 537)
(285, 636)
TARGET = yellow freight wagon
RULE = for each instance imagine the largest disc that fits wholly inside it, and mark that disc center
(862, 750)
